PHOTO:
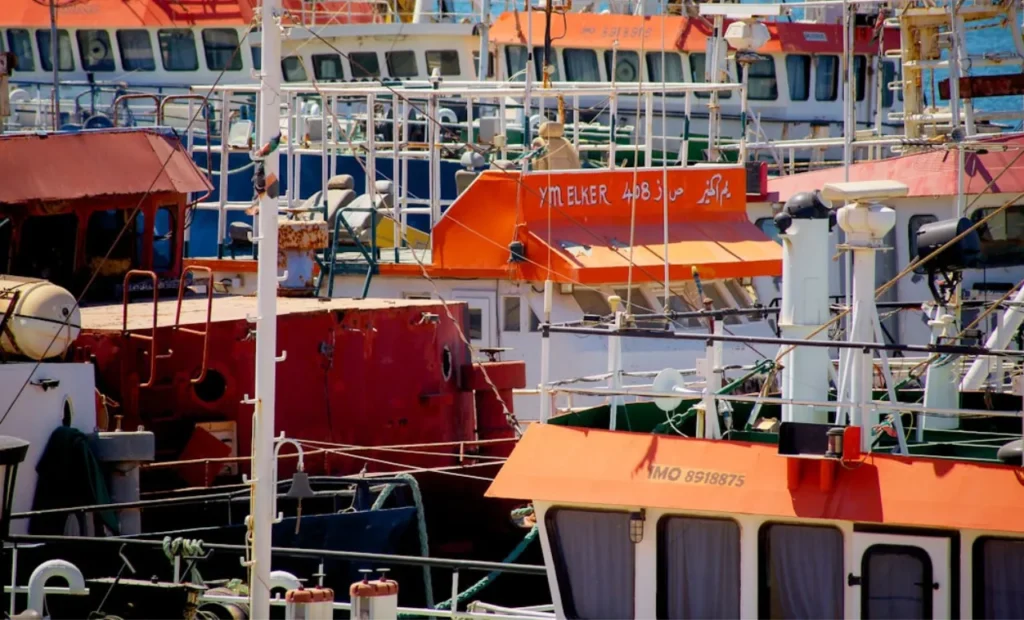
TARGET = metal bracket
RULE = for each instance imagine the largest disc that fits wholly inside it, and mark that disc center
(249, 401)
(282, 357)
(283, 276)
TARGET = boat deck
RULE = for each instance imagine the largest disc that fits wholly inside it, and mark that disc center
(225, 308)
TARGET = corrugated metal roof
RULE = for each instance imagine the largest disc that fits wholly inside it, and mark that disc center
(926, 174)
(69, 166)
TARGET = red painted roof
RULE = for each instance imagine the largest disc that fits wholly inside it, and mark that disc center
(926, 174)
(634, 32)
(70, 166)
(614, 468)
(128, 13)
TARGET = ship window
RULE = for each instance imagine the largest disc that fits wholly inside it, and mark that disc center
(178, 49)
(916, 222)
(94, 50)
(20, 44)
(46, 248)
(888, 77)
(826, 78)
(221, 48)
(595, 562)
(257, 57)
(476, 324)
(897, 582)
(476, 64)
(1002, 237)
(678, 304)
(515, 59)
(327, 67)
(136, 50)
(534, 320)
(798, 72)
(762, 85)
(626, 69)
(445, 61)
(538, 56)
(163, 239)
(698, 568)
(801, 571)
(697, 68)
(511, 312)
(860, 76)
(401, 64)
(768, 227)
(364, 65)
(998, 571)
(591, 301)
(673, 67)
(67, 60)
(293, 69)
(581, 65)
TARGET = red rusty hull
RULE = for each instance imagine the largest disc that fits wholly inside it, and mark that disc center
(353, 376)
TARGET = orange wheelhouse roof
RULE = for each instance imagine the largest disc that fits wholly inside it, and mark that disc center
(579, 223)
(614, 468)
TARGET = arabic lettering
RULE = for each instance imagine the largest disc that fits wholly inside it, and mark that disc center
(642, 192)
(716, 191)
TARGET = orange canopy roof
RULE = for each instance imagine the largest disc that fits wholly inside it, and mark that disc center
(580, 466)
(578, 223)
(635, 32)
(127, 13)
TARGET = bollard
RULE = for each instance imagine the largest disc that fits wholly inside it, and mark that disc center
(374, 600)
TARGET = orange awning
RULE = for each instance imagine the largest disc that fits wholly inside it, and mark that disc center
(596, 467)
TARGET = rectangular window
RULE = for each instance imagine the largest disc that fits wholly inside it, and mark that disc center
(860, 76)
(673, 67)
(221, 48)
(401, 64)
(163, 239)
(67, 60)
(801, 571)
(998, 571)
(327, 67)
(1002, 237)
(293, 69)
(515, 61)
(20, 44)
(364, 65)
(534, 320)
(94, 50)
(476, 324)
(698, 63)
(762, 84)
(627, 66)
(257, 57)
(476, 64)
(538, 57)
(595, 561)
(591, 301)
(698, 568)
(136, 50)
(798, 72)
(888, 77)
(896, 582)
(826, 78)
(916, 222)
(178, 49)
(511, 313)
(445, 61)
(581, 65)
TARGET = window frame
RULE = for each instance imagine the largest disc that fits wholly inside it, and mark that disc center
(860, 76)
(63, 36)
(618, 57)
(661, 570)
(234, 60)
(164, 46)
(588, 292)
(505, 326)
(927, 600)
(978, 572)
(790, 71)
(701, 65)
(772, 78)
(441, 62)
(316, 59)
(763, 560)
(299, 66)
(835, 75)
(128, 63)
(104, 37)
(391, 64)
(564, 588)
(912, 236)
(979, 214)
(27, 43)
(361, 73)
(568, 52)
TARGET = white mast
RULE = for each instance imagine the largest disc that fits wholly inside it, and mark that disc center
(266, 321)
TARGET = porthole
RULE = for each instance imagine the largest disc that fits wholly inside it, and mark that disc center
(446, 363)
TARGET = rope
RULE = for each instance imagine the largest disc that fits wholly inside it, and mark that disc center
(475, 589)
(421, 526)
(185, 548)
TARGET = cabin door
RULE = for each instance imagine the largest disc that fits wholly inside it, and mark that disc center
(480, 324)
(900, 576)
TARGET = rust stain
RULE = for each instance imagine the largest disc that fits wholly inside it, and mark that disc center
(295, 235)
